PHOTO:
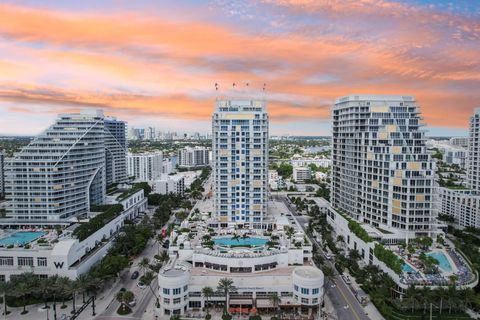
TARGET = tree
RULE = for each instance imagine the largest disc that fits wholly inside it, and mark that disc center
(21, 290)
(207, 293)
(4, 288)
(411, 296)
(147, 279)
(275, 299)
(144, 264)
(328, 272)
(125, 297)
(226, 285)
(82, 283)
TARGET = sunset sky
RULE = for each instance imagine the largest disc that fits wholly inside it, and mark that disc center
(156, 62)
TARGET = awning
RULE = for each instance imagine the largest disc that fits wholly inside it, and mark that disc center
(241, 301)
(264, 303)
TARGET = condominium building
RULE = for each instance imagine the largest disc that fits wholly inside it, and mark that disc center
(382, 173)
(473, 170)
(302, 174)
(240, 162)
(189, 157)
(145, 166)
(169, 184)
(2, 175)
(462, 205)
(61, 172)
(459, 142)
(115, 151)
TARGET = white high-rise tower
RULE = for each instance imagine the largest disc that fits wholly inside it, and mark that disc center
(61, 172)
(382, 173)
(240, 162)
(473, 172)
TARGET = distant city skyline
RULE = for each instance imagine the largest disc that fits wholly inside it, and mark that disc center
(157, 64)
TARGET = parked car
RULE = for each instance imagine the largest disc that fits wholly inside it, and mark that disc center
(141, 285)
(135, 275)
(132, 303)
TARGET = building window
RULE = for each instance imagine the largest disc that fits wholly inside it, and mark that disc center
(25, 261)
(177, 300)
(185, 288)
(195, 304)
(6, 261)
(304, 300)
(295, 287)
(305, 291)
(166, 291)
(166, 300)
(177, 290)
(315, 300)
(42, 262)
(2, 278)
(315, 291)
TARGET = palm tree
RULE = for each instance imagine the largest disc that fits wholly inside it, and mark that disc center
(4, 288)
(144, 264)
(411, 296)
(44, 288)
(226, 285)
(83, 282)
(125, 297)
(147, 279)
(236, 237)
(245, 236)
(328, 272)
(275, 299)
(64, 289)
(207, 293)
(21, 290)
(164, 257)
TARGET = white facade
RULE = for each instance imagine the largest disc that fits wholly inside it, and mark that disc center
(382, 173)
(2, 175)
(68, 257)
(240, 161)
(455, 155)
(145, 166)
(459, 142)
(169, 184)
(115, 151)
(462, 205)
(301, 174)
(61, 172)
(298, 161)
(193, 157)
(473, 171)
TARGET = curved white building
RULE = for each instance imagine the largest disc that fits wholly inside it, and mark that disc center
(61, 172)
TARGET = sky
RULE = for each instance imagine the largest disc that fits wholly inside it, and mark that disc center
(155, 63)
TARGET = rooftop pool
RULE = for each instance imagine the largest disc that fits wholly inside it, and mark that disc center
(21, 237)
(444, 264)
(408, 268)
(240, 242)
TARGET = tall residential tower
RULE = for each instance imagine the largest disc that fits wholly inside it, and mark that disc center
(61, 172)
(473, 169)
(240, 162)
(115, 150)
(382, 172)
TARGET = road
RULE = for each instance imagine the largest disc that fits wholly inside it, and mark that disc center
(144, 297)
(344, 302)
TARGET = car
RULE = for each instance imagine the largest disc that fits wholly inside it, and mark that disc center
(141, 285)
(132, 303)
(346, 279)
(123, 290)
(135, 275)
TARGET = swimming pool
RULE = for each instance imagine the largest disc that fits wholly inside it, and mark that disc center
(21, 238)
(442, 259)
(407, 268)
(248, 242)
